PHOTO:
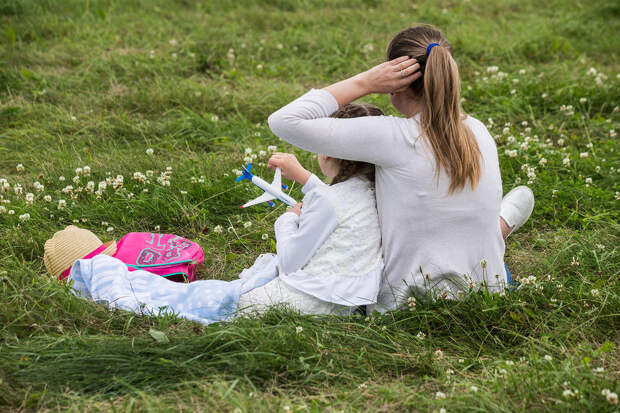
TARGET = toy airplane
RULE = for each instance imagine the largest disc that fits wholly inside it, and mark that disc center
(272, 191)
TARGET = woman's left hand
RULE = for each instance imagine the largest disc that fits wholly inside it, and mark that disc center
(393, 76)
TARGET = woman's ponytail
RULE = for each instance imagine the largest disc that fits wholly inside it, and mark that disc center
(454, 145)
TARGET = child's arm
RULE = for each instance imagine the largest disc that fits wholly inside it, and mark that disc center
(298, 237)
(292, 169)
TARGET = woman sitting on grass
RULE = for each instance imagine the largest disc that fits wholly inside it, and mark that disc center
(328, 255)
(439, 189)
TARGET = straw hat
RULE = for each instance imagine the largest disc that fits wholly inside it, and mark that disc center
(69, 245)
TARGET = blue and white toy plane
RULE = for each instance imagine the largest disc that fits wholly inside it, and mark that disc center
(272, 191)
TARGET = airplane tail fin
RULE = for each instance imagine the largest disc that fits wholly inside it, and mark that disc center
(246, 173)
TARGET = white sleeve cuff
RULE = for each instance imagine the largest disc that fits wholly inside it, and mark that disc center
(311, 183)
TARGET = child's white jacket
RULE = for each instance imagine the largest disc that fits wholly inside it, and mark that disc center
(332, 251)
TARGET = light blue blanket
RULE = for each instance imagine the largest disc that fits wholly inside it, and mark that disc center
(106, 280)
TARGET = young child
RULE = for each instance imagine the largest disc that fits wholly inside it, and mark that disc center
(328, 250)
(328, 255)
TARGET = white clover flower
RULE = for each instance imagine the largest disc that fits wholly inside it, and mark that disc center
(502, 373)
(2, 209)
(513, 91)
(548, 357)
(29, 198)
(299, 329)
(583, 100)
(78, 171)
(24, 217)
(421, 335)
(438, 353)
(272, 148)
(369, 47)
(254, 156)
(67, 189)
(214, 118)
(440, 395)
(172, 42)
(362, 386)
(583, 155)
(262, 154)
(264, 236)
(61, 178)
(591, 72)
(544, 95)
(18, 189)
(139, 176)
(62, 204)
(492, 69)
(259, 66)
(20, 167)
(594, 292)
(247, 224)
(568, 393)
(599, 370)
(47, 198)
(566, 162)
(510, 363)
(612, 133)
(86, 170)
(217, 229)
(248, 151)
(76, 179)
(506, 131)
(611, 397)
(542, 161)
(560, 142)
(522, 71)
(109, 229)
(588, 180)
(150, 151)
(411, 303)
(38, 186)
(511, 152)
(247, 159)
(11, 212)
(237, 172)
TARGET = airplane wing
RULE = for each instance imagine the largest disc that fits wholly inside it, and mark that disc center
(266, 197)
(277, 179)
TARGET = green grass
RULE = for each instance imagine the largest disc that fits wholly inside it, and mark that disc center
(98, 82)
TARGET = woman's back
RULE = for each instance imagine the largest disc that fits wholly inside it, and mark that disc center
(428, 231)
(425, 230)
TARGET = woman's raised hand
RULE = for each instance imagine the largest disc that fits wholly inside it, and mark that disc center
(290, 166)
(393, 76)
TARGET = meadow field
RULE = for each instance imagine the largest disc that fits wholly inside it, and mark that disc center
(122, 116)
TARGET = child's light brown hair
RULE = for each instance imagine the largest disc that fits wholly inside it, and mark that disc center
(350, 168)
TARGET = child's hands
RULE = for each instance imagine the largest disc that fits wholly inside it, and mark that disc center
(291, 168)
(296, 209)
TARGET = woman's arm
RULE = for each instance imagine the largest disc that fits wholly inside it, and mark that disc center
(392, 76)
(305, 122)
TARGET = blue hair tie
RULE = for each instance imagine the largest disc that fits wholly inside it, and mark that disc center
(430, 46)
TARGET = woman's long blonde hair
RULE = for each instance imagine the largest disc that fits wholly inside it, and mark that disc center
(453, 143)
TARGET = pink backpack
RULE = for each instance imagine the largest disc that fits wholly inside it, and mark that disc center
(167, 255)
